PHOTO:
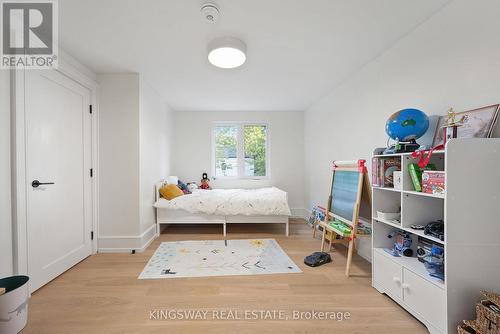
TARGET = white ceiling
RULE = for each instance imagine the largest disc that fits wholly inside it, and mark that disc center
(298, 50)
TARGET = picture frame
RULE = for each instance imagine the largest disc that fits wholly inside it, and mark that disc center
(478, 123)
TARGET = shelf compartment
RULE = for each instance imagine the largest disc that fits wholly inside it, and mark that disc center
(388, 222)
(419, 233)
(413, 265)
(386, 189)
(386, 201)
(436, 159)
(418, 193)
(421, 210)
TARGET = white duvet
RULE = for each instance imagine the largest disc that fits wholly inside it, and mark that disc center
(227, 202)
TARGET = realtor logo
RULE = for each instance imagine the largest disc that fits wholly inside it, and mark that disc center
(29, 34)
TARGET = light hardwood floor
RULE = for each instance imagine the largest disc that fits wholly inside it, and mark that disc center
(103, 295)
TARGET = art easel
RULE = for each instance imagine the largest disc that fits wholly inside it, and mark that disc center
(350, 193)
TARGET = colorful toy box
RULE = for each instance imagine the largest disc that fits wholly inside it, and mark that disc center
(433, 182)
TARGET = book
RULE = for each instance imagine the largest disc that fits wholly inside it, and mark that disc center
(375, 168)
(416, 174)
(389, 166)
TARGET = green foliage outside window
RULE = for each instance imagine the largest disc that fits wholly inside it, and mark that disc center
(255, 148)
(226, 150)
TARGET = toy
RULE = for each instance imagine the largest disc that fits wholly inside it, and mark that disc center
(205, 182)
(317, 259)
(402, 244)
(405, 127)
(433, 182)
(317, 215)
(192, 186)
(341, 228)
(435, 229)
(417, 227)
(182, 186)
(424, 248)
(434, 263)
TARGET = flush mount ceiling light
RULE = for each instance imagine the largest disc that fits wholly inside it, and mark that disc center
(227, 52)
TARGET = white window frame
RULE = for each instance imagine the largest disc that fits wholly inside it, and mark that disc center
(240, 150)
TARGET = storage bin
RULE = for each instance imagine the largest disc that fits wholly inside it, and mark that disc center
(464, 329)
(488, 314)
(14, 304)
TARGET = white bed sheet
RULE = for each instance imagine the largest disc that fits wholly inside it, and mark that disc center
(226, 202)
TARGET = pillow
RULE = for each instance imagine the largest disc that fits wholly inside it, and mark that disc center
(172, 180)
(170, 191)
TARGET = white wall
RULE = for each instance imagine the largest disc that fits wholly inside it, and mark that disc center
(135, 139)
(452, 60)
(5, 177)
(118, 155)
(156, 137)
(192, 150)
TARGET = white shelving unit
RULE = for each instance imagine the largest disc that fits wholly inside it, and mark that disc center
(470, 210)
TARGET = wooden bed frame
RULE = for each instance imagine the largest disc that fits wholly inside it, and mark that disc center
(167, 216)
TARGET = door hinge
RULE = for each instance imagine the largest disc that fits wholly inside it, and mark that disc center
(92, 235)
(90, 108)
(92, 172)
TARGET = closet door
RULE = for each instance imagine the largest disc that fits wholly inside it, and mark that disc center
(58, 183)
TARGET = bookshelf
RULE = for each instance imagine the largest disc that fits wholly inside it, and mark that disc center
(469, 208)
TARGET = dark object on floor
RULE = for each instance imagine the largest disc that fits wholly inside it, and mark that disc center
(317, 259)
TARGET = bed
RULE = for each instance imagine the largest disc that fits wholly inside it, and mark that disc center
(223, 207)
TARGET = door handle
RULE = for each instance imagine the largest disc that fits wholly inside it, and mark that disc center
(36, 183)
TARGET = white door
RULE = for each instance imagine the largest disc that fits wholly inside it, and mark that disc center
(58, 152)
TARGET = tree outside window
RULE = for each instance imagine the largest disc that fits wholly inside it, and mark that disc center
(240, 150)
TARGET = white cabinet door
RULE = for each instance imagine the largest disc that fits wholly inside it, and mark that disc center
(58, 153)
(387, 274)
(425, 298)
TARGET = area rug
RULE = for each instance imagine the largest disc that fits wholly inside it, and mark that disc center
(218, 258)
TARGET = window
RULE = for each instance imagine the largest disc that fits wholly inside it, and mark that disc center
(240, 150)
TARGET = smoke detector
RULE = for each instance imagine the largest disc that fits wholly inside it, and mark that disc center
(210, 12)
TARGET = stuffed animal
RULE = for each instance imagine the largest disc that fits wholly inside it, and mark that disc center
(192, 186)
(205, 182)
(182, 186)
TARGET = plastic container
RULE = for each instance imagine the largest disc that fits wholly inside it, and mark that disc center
(389, 215)
(14, 304)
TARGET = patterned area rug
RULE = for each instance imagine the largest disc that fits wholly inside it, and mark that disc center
(218, 258)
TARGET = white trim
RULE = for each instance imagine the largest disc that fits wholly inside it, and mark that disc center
(20, 239)
(240, 150)
(67, 66)
(127, 244)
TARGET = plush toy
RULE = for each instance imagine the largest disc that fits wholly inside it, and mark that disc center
(182, 186)
(192, 186)
(402, 244)
(205, 182)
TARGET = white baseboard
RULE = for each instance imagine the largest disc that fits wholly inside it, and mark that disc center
(300, 213)
(126, 244)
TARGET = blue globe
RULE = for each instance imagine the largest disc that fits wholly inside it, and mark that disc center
(407, 124)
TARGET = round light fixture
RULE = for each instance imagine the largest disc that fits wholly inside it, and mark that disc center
(227, 52)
